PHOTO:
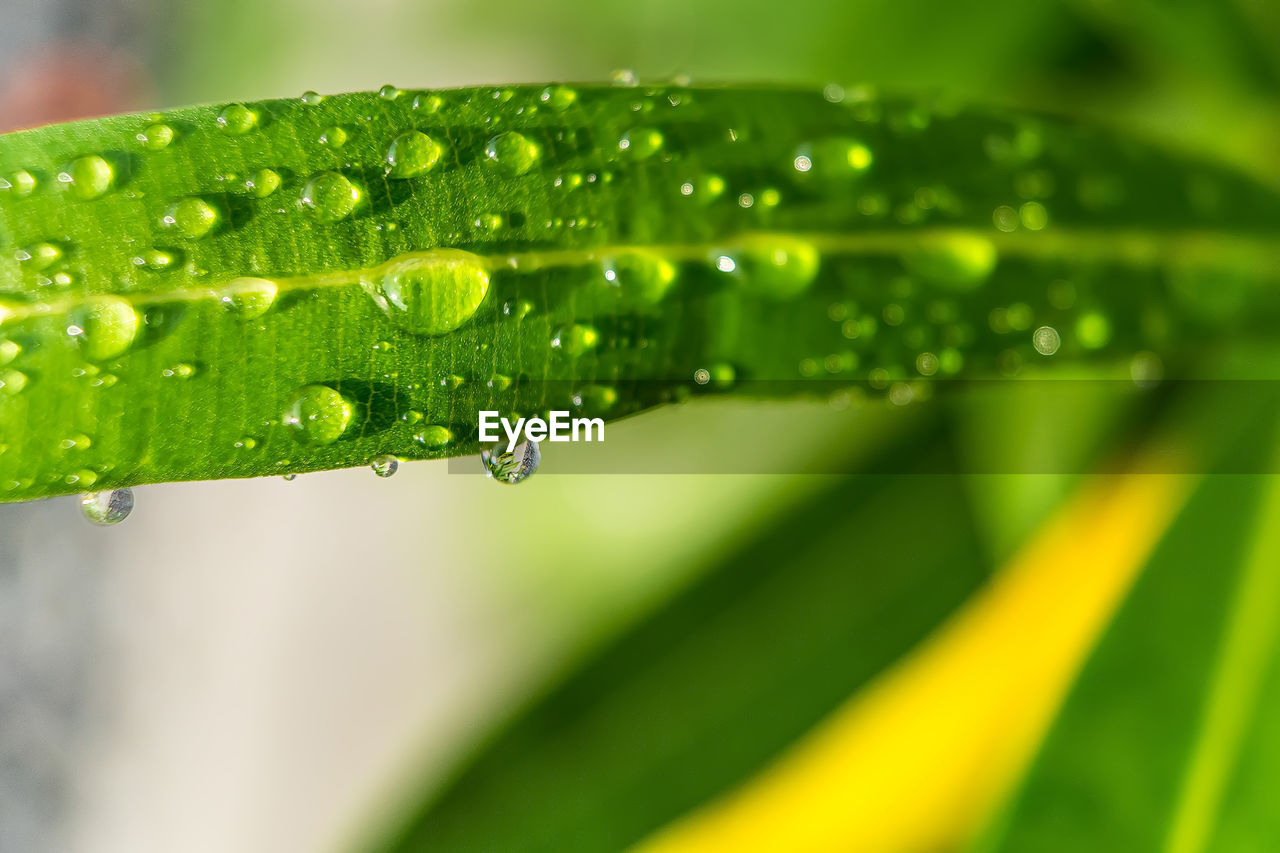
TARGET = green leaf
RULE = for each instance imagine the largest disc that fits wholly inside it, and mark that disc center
(1168, 741)
(709, 689)
(249, 289)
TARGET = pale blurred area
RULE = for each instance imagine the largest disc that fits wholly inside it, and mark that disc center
(263, 665)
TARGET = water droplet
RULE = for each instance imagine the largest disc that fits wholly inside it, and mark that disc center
(559, 98)
(1046, 340)
(237, 119)
(575, 340)
(105, 326)
(706, 188)
(836, 158)
(954, 261)
(1033, 216)
(641, 142)
(643, 276)
(262, 183)
(431, 293)
(12, 382)
(156, 137)
(385, 466)
(155, 259)
(39, 256)
(249, 297)
(389, 92)
(311, 98)
(412, 153)
(330, 196)
(433, 437)
(181, 370)
(318, 415)
(512, 152)
(511, 466)
(774, 266)
(334, 137)
(191, 217)
(21, 183)
(107, 507)
(427, 103)
(9, 350)
(87, 177)
(624, 77)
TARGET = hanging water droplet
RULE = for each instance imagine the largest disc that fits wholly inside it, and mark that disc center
(512, 152)
(237, 119)
(191, 217)
(511, 466)
(385, 466)
(249, 297)
(954, 261)
(105, 326)
(431, 293)
(559, 98)
(433, 437)
(334, 137)
(575, 340)
(643, 276)
(107, 507)
(331, 196)
(411, 154)
(156, 137)
(87, 177)
(318, 415)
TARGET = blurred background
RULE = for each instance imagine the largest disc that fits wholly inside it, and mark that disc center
(269, 665)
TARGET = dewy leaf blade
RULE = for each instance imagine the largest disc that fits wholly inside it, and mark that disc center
(249, 289)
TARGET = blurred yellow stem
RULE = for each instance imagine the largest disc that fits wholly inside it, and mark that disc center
(921, 759)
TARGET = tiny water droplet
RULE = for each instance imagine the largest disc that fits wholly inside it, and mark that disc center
(385, 466)
(155, 259)
(12, 382)
(334, 137)
(39, 256)
(237, 119)
(181, 370)
(512, 152)
(318, 415)
(330, 196)
(249, 297)
(191, 217)
(559, 98)
(411, 154)
(87, 177)
(107, 507)
(1046, 340)
(641, 143)
(774, 266)
(433, 437)
(575, 340)
(643, 276)
(511, 466)
(105, 326)
(262, 183)
(156, 137)
(833, 159)
(427, 103)
(431, 293)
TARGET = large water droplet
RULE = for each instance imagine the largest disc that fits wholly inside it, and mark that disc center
(87, 177)
(237, 119)
(412, 153)
(249, 297)
(334, 137)
(330, 196)
(643, 276)
(511, 466)
(12, 382)
(318, 415)
(385, 466)
(955, 261)
(431, 293)
(105, 326)
(192, 217)
(262, 183)
(107, 507)
(512, 152)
